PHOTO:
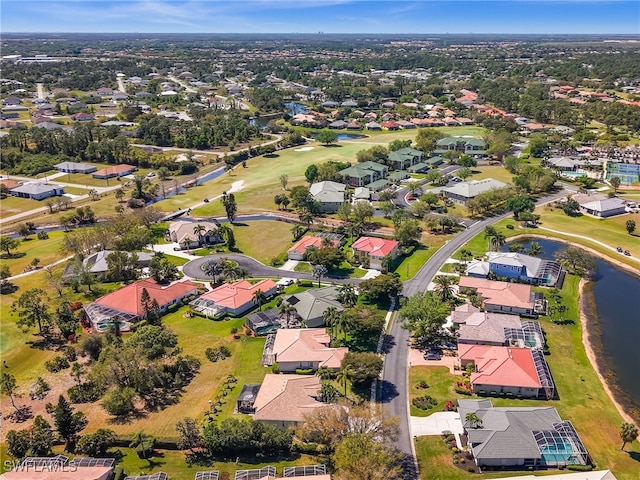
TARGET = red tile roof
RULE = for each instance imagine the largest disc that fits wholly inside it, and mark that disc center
(307, 242)
(127, 299)
(500, 293)
(307, 344)
(115, 170)
(505, 366)
(9, 183)
(378, 247)
(235, 295)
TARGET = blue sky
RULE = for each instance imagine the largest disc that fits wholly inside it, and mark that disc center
(329, 16)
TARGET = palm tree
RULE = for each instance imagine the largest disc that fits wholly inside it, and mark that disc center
(628, 433)
(143, 444)
(319, 271)
(297, 231)
(198, 230)
(330, 316)
(413, 186)
(444, 286)
(348, 296)
(497, 241)
(343, 323)
(344, 376)
(213, 268)
(489, 233)
(259, 298)
(535, 249)
(287, 310)
(474, 420)
(307, 217)
(465, 256)
(230, 271)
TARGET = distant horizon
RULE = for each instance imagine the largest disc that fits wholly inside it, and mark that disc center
(422, 34)
(338, 17)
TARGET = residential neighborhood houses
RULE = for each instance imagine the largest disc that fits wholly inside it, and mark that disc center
(290, 318)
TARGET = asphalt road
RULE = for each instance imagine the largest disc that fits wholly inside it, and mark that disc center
(194, 269)
(394, 393)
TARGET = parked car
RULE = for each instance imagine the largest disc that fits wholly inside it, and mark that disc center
(432, 356)
(619, 249)
(206, 200)
(627, 253)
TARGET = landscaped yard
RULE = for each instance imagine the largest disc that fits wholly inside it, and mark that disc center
(409, 265)
(583, 400)
(440, 383)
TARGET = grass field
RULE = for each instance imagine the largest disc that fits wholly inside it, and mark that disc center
(610, 231)
(583, 399)
(13, 205)
(48, 251)
(409, 265)
(263, 239)
(497, 172)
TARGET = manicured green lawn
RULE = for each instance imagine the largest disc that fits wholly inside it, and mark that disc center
(435, 461)
(262, 239)
(48, 251)
(174, 465)
(610, 231)
(345, 270)
(441, 387)
(261, 177)
(497, 172)
(13, 205)
(409, 265)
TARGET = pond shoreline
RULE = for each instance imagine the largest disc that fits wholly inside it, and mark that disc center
(587, 324)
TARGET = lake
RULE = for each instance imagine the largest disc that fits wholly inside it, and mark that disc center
(616, 319)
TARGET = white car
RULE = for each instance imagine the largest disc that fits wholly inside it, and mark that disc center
(151, 175)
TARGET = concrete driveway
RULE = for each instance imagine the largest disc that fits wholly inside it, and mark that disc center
(436, 423)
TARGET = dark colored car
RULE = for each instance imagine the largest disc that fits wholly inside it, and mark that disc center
(619, 249)
(206, 200)
(432, 356)
(627, 253)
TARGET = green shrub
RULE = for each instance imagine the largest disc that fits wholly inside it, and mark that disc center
(580, 468)
(425, 402)
(275, 368)
(70, 354)
(304, 371)
(56, 364)
(218, 353)
(471, 469)
(510, 226)
(85, 392)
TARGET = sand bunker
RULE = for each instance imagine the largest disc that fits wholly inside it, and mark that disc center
(303, 149)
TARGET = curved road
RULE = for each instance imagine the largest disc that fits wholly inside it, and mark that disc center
(193, 269)
(394, 393)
